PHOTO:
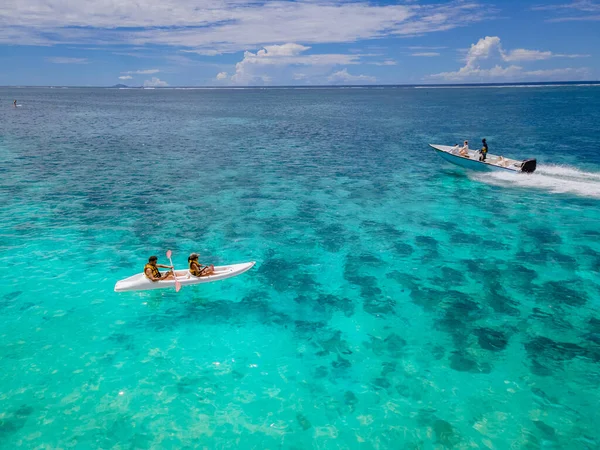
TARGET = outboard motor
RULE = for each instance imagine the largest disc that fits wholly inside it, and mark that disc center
(529, 166)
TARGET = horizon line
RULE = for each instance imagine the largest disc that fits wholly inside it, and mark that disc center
(123, 86)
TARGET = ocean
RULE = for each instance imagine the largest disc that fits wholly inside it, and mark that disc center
(397, 301)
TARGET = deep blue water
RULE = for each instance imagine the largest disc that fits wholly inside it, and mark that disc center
(397, 301)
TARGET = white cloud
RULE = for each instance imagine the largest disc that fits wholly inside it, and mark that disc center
(581, 9)
(478, 74)
(426, 54)
(290, 54)
(581, 5)
(575, 19)
(125, 77)
(581, 73)
(483, 49)
(343, 77)
(204, 52)
(420, 47)
(522, 54)
(387, 62)
(142, 72)
(131, 54)
(221, 75)
(214, 26)
(273, 60)
(155, 82)
(64, 60)
(490, 49)
(274, 51)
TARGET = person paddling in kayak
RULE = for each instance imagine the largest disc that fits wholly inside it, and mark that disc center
(152, 273)
(197, 269)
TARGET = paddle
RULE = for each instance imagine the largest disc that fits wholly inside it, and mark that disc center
(177, 283)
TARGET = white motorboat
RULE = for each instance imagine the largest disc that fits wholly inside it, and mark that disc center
(140, 281)
(492, 162)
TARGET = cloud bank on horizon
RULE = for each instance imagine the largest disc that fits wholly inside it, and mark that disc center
(485, 60)
(245, 42)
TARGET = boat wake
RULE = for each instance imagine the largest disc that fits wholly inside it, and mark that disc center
(552, 178)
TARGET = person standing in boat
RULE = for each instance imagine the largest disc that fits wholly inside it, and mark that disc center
(483, 151)
(153, 274)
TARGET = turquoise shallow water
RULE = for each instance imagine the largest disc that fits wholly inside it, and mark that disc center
(397, 302)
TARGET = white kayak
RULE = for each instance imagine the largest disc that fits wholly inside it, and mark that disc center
(140, 282)
(492, 162)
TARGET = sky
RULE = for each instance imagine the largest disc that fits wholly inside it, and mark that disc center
(159, 43)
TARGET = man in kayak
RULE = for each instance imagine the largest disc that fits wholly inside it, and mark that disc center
(152, 273)
(483, 151)
(197, 269)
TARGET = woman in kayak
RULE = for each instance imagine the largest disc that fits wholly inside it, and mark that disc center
(153, 274)
(197, 269)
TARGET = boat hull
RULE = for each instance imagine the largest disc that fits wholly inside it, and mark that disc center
(492, 163)
(140, 282)
(471, 164)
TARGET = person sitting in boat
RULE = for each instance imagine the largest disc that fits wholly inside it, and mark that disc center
(197, 269)
(483, 151)
(153, 274)
(464, 150)
(502, 161)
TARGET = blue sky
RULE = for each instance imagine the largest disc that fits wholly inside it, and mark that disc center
(310, 42)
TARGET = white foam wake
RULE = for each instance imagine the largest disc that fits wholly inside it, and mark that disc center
(552, 178)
